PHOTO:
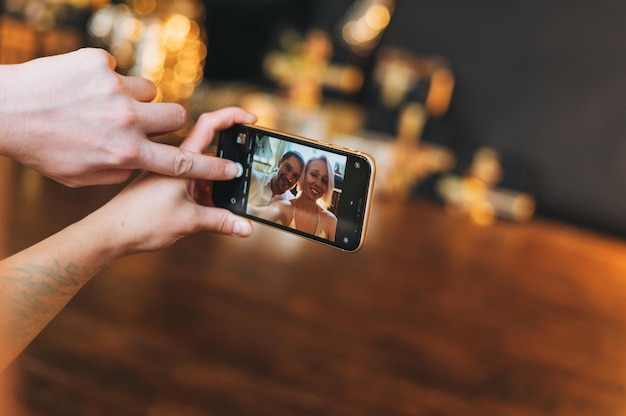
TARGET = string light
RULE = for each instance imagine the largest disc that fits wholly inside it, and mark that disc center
(364, 24)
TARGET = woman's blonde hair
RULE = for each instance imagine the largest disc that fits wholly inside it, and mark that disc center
(328, 196)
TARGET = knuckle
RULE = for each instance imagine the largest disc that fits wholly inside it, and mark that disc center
(182, 164)
(127, 154)
(97, 56)
(205, 119)
(126, 116)
(222, 224)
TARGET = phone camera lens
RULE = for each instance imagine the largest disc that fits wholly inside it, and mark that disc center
(357, 165)
(233, 201)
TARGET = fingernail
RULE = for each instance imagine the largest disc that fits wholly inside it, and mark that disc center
(234, 169)
(251, 118)
(242, 229)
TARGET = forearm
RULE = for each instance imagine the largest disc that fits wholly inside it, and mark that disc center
(36, 283)
(270, 212)
(151, 213)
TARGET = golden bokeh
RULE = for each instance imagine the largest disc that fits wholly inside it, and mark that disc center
(150, 40)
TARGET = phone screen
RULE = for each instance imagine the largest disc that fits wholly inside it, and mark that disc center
(313, 189)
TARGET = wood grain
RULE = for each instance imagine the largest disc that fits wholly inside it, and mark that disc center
(435, 316)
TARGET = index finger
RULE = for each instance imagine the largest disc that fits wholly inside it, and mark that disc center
(187, 161)
(173, 161)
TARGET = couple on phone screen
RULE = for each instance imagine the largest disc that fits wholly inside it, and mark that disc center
(271, 195)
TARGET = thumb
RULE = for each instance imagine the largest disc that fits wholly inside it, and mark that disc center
(222, 221)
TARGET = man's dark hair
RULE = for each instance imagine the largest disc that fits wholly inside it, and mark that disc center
(295, 154)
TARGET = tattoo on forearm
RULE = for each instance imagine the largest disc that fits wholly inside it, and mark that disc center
(34, 294)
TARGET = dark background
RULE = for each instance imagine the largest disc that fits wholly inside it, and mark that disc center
(542, 82)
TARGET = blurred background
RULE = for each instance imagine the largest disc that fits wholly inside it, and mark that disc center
(508, 110)
(492, 281)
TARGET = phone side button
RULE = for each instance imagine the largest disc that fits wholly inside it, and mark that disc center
(359, 206)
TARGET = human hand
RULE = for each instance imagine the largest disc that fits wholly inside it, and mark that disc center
(154, 211)
(77, 121)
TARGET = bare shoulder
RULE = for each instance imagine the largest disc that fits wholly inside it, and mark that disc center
(281, 204)
(328, 217)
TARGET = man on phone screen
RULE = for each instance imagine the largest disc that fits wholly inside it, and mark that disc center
(267, 188)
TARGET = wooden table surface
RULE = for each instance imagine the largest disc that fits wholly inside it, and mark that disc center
(435, 316)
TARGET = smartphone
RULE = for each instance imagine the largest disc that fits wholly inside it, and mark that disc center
(303, 186)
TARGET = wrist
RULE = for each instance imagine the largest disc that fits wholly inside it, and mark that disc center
(11, 109)
(107, 238)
